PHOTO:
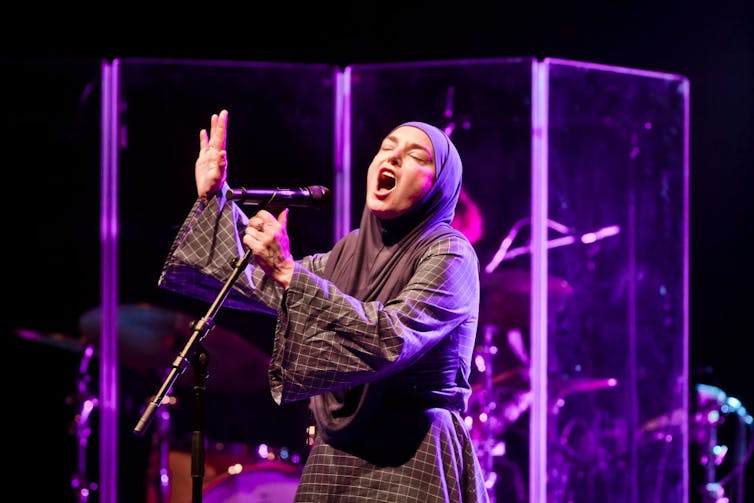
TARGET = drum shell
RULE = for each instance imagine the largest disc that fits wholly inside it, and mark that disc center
(262, 482)
(235, 467)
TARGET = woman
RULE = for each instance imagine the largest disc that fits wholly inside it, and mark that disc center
(377, 333)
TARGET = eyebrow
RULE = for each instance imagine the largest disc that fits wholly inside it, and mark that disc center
(412, 145)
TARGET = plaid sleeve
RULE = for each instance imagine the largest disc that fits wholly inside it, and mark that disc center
(204, 256)
(326, 340)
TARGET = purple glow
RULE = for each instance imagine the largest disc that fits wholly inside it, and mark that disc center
(686, 227)
(109, 289)
(342, 154)
(538, 315)
(615, 69)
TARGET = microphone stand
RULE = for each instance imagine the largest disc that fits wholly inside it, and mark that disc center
(195, 354)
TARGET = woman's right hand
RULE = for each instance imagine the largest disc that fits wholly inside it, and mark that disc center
(211, 166)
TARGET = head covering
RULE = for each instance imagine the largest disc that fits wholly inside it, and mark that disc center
(375, 262)
(438, 205)
(365, 265)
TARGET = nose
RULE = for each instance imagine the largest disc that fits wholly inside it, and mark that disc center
(394, 159)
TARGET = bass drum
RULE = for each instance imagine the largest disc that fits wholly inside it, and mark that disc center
(263, 482)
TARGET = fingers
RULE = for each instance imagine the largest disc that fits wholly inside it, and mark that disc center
(283, 218)
(263, 221)
(263, 218)
(267, 239)
(255, 236)
(203, 140)
(253, 233)
(218, 130)
(255, 226)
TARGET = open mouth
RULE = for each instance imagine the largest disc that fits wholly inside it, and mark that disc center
(385, 181)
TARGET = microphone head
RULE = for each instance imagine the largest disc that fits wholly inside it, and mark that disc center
(320, 193)
(281, 197)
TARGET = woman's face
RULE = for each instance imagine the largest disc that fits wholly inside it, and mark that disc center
(401, 173)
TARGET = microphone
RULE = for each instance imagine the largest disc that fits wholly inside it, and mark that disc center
(312, 196)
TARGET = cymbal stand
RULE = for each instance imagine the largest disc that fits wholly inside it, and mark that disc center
(158, 487)
(488, 444)
(86, 402)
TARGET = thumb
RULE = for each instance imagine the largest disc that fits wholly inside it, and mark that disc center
(283, 218)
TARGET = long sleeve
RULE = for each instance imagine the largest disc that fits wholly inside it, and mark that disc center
(204, 254)
(326, 340)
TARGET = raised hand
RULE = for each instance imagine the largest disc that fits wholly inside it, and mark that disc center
(211, 166)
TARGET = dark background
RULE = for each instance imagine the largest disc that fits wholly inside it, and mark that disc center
(710, 43)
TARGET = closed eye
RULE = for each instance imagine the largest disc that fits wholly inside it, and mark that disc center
(387, 145)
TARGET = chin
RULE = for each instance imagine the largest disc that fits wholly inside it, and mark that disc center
(379, 209)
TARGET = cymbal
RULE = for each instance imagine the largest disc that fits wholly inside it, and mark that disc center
(54, 339)
(151, 337)
(234, 364)
(506, 293)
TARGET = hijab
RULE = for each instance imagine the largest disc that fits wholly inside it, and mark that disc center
(372, 264)
(376, 261)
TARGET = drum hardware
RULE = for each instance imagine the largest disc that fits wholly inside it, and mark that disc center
(579, 451)
(505, 252)
(713, 408)
(489, 422)
(158, 470)
(485, 364)
(85, 403)
(485, 427)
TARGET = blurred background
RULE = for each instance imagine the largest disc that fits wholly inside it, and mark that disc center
(711, 45)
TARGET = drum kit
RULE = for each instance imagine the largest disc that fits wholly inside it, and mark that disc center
(149, 339)
(501, 386)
